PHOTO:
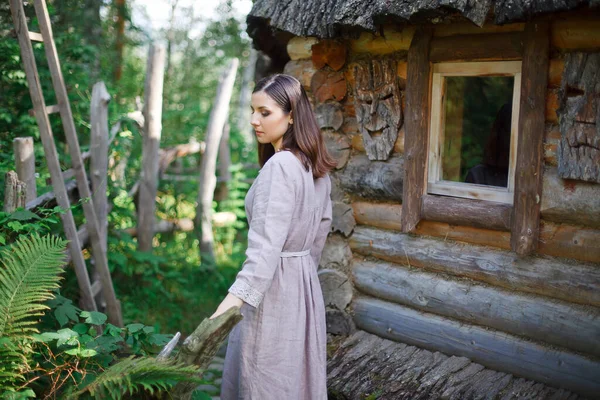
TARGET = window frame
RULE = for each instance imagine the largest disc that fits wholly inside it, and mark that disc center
(436, 130)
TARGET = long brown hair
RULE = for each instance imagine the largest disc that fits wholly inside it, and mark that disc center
(303, 137)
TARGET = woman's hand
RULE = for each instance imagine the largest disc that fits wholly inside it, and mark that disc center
(228, 302)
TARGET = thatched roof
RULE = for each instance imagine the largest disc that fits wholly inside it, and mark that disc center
(334, 18)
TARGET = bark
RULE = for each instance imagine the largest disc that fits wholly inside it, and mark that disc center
(14, 192)
(25, 165)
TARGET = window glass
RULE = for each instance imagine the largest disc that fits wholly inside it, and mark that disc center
(477, 129)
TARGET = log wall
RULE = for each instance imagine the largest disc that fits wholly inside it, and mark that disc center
(535, 316)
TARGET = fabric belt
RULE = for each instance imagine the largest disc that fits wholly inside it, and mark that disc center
(286, 254)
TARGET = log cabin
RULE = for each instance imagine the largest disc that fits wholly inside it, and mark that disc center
(464, 257)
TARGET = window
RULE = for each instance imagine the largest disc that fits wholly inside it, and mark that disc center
(473, 130)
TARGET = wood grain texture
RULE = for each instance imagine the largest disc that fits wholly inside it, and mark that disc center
(492, 46)
(491, 348)
(559, 240)
(568, 280)
(467, 212)
(567, 325)
(336, 287)
(373, 179)
(25, 165)
(416, 128)
(528, 176)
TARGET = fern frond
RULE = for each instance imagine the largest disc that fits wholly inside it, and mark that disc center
(133, 374)
(31, 271)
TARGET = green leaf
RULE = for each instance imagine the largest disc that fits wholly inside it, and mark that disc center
(2, 240)
(94, 317)
(132, 328)
(15, 226)
(23, 215)
(81, 328)
(66, 336)
(65, 312)
(148, 329)
(81, 352)
(112, 330)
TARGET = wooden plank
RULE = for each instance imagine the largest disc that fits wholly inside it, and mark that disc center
(153, 95)
(467, 212)
(25, 165)
(578, 33)
(492, 46)
(491, 348)
(53, 109)
(528, 177)
(113, 307)
(572, 326)
(575, 282)
(37, 98)
(373, 179)
(35, 36)
(566, 241)
(416, 128)
(568, 201)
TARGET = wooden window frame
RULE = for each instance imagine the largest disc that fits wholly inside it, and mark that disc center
(435, 185)
(522, 218)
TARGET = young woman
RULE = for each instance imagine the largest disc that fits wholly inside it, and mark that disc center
(278, 350)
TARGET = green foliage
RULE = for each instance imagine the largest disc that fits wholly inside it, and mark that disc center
(130, 375)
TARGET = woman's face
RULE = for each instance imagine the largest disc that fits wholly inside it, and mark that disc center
(269, 121)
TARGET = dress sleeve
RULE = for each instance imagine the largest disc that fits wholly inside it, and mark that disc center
(272, 211)
(324, 226)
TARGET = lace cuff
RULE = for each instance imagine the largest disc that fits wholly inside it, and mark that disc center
(245, 292)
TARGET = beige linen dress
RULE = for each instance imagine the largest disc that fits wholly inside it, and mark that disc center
(278, 351)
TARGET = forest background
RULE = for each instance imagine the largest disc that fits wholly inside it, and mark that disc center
(170, 288)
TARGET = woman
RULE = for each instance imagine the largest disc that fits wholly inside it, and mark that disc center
(278, 350)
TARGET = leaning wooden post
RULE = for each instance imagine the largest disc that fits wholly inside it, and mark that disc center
(14, 192)
(224, 163)
(25, 165)
(208, 179)
(99, 154)
(152, 130)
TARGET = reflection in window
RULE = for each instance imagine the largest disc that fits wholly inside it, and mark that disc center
(477, 129)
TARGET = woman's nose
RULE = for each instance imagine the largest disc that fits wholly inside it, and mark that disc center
(254, 121)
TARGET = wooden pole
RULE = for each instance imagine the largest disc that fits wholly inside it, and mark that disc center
(99, 154)
(224, 163)
(25, 165)
(14, 192)
(208, 179)
(244, 104)
(152, 132)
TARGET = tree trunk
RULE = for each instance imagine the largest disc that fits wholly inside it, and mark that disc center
(224, 163)
(120, 40)
(244, 104)
(207, 178)
(14, 192)
(25, 165)
(152, 133)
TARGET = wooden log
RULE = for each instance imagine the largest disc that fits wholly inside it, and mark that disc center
(207, 177)
(574, 282)
(564, 241)
(25, 165)
(336, 254)
(578, 33)
(48, 199)
(571, 202)
(458, 28)
(416, 128)
(393, 40)
(555, 70)
(328, 85)
(359, 145)
(14, 192)
(303, 70)
(99, 155)
(243, 120)
(342, 219)
(529, 168)
(491, 348)
(201, 346)
(222, 192)
(299, 48)
(373, 179)
(574, 327)
(153, 91)
(329, 52)
(551, 140)
(551, 108)
(338, 147)
(468, 212)
(329, 115)
(339, 322)
(579, 102)
(336, 287)
(491, 46)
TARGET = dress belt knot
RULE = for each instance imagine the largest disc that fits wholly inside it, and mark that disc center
(286, 254)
